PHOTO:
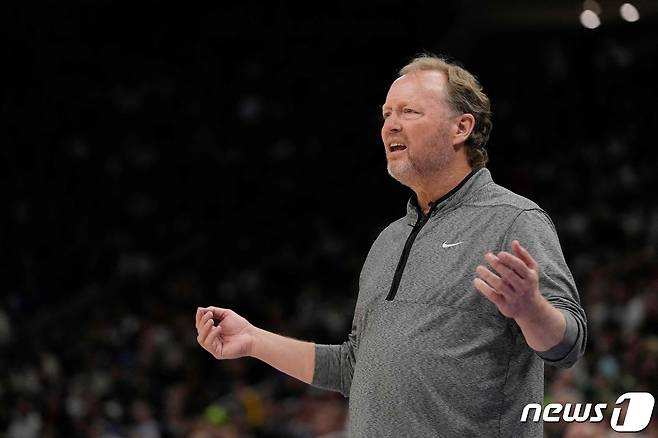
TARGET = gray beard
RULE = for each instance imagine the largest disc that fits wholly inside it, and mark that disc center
(413, 172)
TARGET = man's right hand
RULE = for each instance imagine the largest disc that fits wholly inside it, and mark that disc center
(230, 339)
(235, 337)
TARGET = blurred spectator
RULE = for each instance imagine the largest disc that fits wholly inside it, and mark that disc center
(153, 170)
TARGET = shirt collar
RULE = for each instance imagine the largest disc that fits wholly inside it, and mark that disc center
(477, 178)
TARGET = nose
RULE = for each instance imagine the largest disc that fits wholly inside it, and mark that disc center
(392, 124)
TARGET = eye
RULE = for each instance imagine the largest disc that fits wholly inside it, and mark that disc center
(386, 114)
(411, 113)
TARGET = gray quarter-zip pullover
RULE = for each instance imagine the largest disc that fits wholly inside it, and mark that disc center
(428, 355)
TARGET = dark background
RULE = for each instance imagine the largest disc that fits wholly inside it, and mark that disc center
(157, 157)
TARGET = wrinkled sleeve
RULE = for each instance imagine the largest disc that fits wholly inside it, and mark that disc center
(535, 231)
(334, 365)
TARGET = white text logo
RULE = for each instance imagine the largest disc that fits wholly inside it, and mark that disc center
(638, 414)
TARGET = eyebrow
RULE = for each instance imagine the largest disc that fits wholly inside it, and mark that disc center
(403, 103)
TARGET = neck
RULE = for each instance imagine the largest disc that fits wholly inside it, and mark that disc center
(438, 185)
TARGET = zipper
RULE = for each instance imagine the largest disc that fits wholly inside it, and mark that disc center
(422, 220)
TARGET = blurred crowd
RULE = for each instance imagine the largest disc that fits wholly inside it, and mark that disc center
(141, 189)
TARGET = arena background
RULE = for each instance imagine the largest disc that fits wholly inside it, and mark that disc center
(159, 156)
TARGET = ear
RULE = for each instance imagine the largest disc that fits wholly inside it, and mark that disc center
(463, 128)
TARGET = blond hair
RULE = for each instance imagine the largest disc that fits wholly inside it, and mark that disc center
(464, 95)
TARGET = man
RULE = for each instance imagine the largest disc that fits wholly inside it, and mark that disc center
(440, 344)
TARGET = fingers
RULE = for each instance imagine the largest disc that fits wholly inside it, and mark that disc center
(218, 312)
(500, 285)
(210, 339)
(212, 343)
(518, 269)
(507, 275)
(200, 313)
(512, 284)
(524, 255)
(514, 263)
(488, 291)
(214, 312)
(209, 335)
(205, 316)
(204, 327)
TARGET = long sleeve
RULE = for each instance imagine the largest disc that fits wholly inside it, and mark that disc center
(334, 365)
(536, 232)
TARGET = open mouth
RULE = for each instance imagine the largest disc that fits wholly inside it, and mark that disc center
(395, 147)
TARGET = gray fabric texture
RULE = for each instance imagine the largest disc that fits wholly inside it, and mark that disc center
(439, 360)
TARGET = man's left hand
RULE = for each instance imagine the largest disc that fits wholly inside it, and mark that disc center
(514, 286)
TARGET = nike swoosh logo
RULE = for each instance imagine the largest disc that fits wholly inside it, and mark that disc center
(448, 245)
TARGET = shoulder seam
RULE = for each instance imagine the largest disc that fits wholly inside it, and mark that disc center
(505, 204)
(511, 225)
